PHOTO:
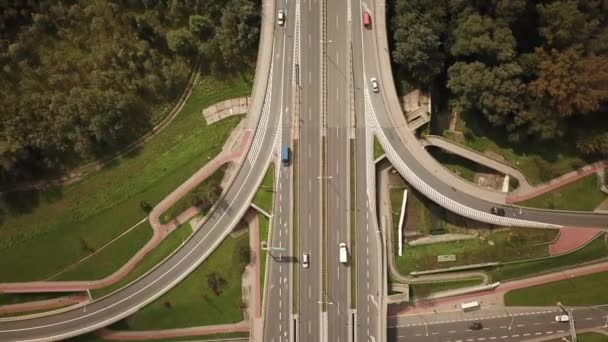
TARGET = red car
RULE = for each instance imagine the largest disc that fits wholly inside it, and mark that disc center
(367, 19)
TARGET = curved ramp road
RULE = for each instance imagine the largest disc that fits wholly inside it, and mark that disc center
(406, 159)
(128, 300)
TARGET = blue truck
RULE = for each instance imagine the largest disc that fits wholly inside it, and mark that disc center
(285, 155)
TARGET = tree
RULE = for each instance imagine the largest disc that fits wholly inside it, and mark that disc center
(495, 92)
(244, 254)
(238, 32)
(202, 26)
(570, 82)
(216, 282)
(563, 24)
(182, 42)
(418, 28)
(593, 143)
(480, 37)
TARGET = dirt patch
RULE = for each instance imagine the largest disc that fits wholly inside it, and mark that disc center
(489, 180)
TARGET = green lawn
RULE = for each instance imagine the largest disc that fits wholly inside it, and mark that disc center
(111, 258)
(264, 227)
(509, 245)
(86, 215)
(577, 291)
(539, 161)
(424, 290)
(458, 165)
(263, 197)
(583, 195)
(378, 150)
(596, 249)
(192, 302)
(202, 196)
(153, 258)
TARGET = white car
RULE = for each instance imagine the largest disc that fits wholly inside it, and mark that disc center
(281, 17)
(305, 260)
(374, 83)
(562, 318)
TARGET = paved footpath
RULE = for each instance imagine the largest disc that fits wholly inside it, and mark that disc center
(572, 238)
(160, 231)
(107, 334)
(495, 298)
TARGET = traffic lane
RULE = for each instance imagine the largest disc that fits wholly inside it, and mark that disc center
(310, 155)
(338, 277)
(368, 250)
(309, 236)
(278, 302)
(337, 167)
(516, 327)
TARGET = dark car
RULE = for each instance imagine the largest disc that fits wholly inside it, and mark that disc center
(497, 211)
(475, 326)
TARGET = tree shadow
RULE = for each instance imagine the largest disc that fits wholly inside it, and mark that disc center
(21, 202)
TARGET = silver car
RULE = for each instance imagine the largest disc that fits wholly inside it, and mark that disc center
(281, 17)
(374, 83)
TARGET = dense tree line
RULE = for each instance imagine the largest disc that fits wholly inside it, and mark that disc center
(537, 69)
(79, 79)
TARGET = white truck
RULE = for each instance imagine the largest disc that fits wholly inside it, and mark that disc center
(343, 253)
(470, 306)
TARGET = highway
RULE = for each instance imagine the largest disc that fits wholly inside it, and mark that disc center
(229, 211)
(521, 327)
(337, 169)
(278, 289)
(369, 269)
(404, 158)
(308, 169)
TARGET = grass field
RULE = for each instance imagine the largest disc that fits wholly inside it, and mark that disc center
(264, 195)
(577, 291)
(583, 195)
(539, 161)
(596, 249)
(378, 150)
(111, 258)
(264, 227)
(158, 254)
(424, 290)
(203, 196)
(509, 244)
(86, 215)
(192, 302)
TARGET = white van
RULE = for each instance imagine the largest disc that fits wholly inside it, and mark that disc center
(343, 253)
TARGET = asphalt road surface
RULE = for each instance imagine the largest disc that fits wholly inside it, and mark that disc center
(368, 253)
(337, 170)
(507, 328)
(219, 224)
(278, 301)
(309, 194)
